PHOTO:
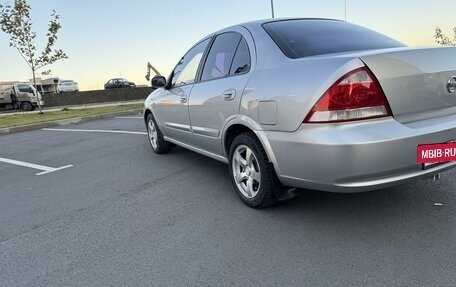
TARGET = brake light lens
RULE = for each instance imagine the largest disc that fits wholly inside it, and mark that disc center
(356, 96)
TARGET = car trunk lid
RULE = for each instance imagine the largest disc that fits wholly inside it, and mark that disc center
(416, 81)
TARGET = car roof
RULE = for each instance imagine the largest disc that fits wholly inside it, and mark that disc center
(257, 23)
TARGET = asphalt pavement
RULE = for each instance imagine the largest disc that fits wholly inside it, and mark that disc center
(90, 205)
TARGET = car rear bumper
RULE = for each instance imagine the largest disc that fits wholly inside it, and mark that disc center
(67, 89)
(355, 157)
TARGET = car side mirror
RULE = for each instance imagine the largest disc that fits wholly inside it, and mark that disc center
(158, 82)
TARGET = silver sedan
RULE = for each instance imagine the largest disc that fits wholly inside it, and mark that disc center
(309, 103)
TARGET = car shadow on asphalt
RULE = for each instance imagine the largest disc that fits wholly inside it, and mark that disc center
(415, 200)
(421, 207)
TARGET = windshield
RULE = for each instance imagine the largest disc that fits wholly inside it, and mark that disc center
(310, 37)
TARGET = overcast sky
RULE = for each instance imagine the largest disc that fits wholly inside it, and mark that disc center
(106, 39)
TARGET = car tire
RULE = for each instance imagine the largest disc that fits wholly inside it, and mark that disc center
(156, 140)
(26, 106)
(253, 178)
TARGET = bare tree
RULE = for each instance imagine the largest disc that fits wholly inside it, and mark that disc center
(443, 39)
(16, 22)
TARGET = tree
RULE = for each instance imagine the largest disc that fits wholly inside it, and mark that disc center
(443, 39)
(16, 22)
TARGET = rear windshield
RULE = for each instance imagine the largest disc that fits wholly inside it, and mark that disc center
(310, 37)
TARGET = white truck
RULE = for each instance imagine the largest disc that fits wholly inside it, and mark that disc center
(20, 96)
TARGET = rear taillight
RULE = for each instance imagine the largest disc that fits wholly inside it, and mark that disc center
(357, 95)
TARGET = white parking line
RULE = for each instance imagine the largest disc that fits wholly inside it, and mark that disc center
(44, 169)
(129, 117)
(96, 131)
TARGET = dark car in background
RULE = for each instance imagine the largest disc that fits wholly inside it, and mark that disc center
(119, 83)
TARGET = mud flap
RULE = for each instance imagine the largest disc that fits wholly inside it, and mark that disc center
(282, 192)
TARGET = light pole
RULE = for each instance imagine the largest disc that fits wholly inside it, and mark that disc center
(272, 8)
(345, 2)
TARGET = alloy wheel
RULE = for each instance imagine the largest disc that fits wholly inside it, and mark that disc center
(246, 171)
(153, 135)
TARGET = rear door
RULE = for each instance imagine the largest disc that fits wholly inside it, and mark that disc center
(216, 96)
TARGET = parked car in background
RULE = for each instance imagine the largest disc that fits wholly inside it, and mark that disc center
(309, 103)
(119, 83)
(67, 86)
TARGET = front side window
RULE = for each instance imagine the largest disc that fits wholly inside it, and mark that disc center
(186, 69)
(24, 89)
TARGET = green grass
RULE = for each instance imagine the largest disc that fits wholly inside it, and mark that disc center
(65, 113)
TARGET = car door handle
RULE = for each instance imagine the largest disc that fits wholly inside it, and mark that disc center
(183, 100)
(229, 95)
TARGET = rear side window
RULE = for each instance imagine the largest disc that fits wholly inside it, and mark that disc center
(304, 38)
(220, 56)
(241, 61)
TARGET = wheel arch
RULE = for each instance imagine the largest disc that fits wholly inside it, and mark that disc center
(146, 113)
(231, 133)
(149, 111)
(243, 124)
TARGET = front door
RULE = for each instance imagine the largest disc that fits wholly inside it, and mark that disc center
(172, 104)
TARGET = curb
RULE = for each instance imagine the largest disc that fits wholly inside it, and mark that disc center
(64, 122)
